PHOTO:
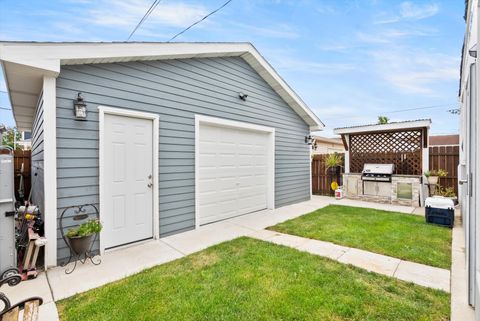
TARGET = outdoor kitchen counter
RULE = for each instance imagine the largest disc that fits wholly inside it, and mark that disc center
(402, 190)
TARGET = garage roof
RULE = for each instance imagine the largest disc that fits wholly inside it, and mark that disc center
(26, 63)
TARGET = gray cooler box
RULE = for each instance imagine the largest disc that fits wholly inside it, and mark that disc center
(440, 210)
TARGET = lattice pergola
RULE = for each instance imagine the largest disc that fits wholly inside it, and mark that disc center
(400, 144)
(401, 148)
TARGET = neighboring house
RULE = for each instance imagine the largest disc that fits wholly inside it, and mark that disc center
(325, 145)
(176, 135)
(26, 140)
(444, 140)
(469, 175)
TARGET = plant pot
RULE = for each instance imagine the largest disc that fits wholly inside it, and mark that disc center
(432, 180)
(80, 244)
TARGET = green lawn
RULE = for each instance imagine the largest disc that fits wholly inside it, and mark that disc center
(395, 234)
(247, 279)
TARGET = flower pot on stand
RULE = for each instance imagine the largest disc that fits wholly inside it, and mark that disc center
(334, 176)
(432, 180)
(81, 244)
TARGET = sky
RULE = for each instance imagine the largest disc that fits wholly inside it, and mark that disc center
(349, 60)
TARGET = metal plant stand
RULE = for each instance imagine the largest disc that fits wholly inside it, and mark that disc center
(79, 213)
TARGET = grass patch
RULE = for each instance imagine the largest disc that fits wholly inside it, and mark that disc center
(395, 234)
(247, 279)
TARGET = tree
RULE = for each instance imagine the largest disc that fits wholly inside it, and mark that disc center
(383, 120)
(9, 135)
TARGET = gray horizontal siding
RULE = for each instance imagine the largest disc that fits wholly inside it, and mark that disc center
(37, 167)
(176, 90)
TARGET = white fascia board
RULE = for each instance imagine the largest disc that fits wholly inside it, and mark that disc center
(49, 56)
(383, 127)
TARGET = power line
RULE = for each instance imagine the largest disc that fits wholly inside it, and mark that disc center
(3, 108)
(417, 108)
(396, 111)
(197, 22)
(145, 16)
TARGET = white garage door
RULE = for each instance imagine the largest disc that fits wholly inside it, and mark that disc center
(233, 169)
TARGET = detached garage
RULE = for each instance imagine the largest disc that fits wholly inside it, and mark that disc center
(165, 137)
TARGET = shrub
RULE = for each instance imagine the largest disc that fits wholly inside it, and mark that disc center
(85, 229)
(332, 161)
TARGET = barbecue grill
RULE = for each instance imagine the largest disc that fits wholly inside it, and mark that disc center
(377, 172)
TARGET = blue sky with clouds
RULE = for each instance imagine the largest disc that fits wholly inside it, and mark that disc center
(350, 60)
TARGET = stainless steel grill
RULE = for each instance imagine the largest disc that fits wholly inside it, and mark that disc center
(377, 172)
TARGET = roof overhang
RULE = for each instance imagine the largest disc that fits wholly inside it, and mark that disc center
(26, 63)
(423, 123)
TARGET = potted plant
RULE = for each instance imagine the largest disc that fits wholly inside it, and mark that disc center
(448, 192)
(433, 176)
(333, 162)
(80, 238)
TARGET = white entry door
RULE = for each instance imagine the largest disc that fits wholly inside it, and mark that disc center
(233, 172)
(128, 168)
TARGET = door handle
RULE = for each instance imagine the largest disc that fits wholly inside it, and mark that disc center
(150, 184)
(463, 181)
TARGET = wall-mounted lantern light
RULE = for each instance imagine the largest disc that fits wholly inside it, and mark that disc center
(309, 140)
(80, 108)
(242, 96)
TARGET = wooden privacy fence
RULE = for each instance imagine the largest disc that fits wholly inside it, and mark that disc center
(447, 158)
(321, 179)
(441, 157)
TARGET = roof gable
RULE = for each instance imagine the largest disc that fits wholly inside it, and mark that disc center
(33, 60)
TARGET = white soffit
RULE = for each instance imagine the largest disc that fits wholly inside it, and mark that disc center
(19, 57)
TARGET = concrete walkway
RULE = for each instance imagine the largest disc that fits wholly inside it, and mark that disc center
(122, 262)
(460, 310)
(420, 274)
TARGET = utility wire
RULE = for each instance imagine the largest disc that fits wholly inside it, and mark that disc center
(145, 16)
(417, 108)
(197, 22)
(396, 111)
(3, 108)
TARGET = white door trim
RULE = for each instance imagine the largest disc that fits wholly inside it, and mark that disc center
(102, 110)
(201, 119)
(50, 169)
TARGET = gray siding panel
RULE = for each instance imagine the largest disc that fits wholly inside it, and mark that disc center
(37, 157)
(176, 90)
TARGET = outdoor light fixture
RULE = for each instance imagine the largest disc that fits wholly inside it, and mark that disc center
(80, 108)
(242, 96)
(309, 140)
(473, 51)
